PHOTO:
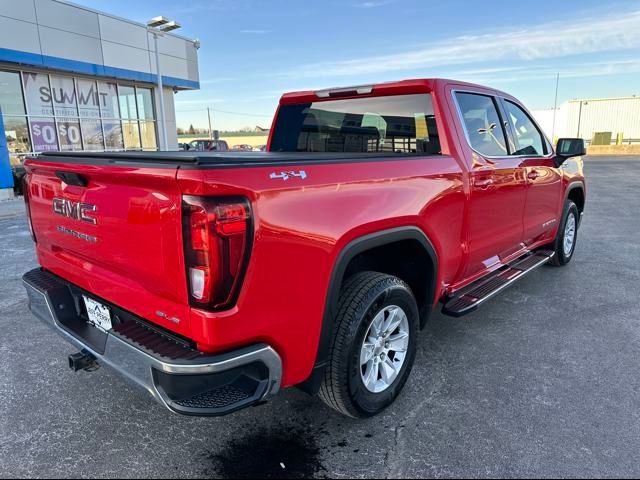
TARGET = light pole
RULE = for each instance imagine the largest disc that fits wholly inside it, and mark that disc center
(555, 107)
(157, 27)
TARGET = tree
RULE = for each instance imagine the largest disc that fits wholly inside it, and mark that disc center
(180, 131)
(192, 131)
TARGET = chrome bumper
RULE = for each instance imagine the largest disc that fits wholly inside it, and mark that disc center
(143, 369)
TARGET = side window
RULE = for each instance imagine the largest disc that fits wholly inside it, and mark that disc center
(528, 139)
(482, 123)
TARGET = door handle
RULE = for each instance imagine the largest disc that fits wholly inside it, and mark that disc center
(483, 183)
(533, 174)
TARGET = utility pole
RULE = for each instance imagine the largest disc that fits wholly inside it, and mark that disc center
(209, 116)
(555, 107)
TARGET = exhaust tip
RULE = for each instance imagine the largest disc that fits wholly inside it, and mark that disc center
(83, 361)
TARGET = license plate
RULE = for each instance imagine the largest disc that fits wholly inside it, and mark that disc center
(99, 315)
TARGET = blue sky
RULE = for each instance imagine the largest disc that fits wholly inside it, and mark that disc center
(253, 51)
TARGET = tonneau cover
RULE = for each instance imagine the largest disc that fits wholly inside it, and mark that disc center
(212, 159)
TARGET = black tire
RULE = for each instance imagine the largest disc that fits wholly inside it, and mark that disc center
(362, 297)
(561, 258)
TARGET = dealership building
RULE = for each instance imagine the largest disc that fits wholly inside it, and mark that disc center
(74, 79)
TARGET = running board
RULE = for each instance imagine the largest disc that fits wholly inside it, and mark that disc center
(470, 298)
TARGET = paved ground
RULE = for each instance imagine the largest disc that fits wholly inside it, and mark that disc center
(543, 381)
(11, 208)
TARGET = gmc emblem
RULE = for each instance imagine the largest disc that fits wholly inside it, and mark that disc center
(74, 210)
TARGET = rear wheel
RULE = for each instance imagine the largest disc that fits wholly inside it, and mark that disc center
(565, 242)
(374, 345)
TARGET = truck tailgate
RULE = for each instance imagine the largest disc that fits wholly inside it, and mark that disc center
(114, 231)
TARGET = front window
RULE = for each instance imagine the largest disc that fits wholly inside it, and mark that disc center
(528, 139)
(392, 124)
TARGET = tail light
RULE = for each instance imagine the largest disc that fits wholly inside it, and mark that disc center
(217, 236)
(25, 195)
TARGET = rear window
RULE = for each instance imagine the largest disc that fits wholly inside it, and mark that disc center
(392, 124)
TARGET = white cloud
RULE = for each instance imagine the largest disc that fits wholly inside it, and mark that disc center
(542, 72)
(255, 31)
(373, 3)
(542, 41)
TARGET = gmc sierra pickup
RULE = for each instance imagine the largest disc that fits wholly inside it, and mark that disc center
(213, 280)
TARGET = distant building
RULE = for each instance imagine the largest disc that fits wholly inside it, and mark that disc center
(261, 130)
(75, 79)
(585, 117)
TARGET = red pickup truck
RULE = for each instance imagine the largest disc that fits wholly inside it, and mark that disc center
(213, 280)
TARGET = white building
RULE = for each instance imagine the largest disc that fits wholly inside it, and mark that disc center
(583, 118)
(72, 78)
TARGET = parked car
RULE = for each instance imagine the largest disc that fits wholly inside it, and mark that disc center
(260, 148)
(243, 148)
(214, 281)
(184, 147)
(209, 145)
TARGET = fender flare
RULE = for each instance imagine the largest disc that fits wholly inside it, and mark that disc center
(573, 186)
(353, 248)
(578, 185)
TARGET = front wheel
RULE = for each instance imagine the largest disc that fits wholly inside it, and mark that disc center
(565, 242)
(374, 345)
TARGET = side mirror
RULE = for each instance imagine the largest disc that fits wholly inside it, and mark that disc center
(569, 147)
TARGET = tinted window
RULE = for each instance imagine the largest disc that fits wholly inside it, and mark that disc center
(528, 139)
(482, 124)
(398, 124)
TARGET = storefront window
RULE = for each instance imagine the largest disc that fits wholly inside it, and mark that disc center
(88, 99)
(131, 135)
(43, 134)
(11, 100)
(148, 134)
(69, 134)
(16, 132)
(63, 94)
(113, 134)
(37, 92)
(127, 97)
(108, 93)
(145, 104)
(44, 113)
(92, 134)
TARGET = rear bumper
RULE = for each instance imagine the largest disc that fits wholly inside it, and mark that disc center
(171, 371)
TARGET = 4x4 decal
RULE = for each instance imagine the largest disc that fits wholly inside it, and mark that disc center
(287, 175)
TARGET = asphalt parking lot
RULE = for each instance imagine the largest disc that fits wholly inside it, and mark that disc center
(541, 382)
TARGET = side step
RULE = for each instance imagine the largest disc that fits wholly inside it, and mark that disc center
(471, 297)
